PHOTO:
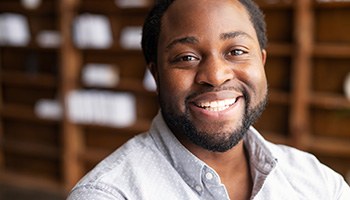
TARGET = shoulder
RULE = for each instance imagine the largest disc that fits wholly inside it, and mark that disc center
(293, 160)
(116, 173)
(304, 171)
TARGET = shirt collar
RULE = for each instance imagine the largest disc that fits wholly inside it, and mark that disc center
(186, 164)
(260, 155)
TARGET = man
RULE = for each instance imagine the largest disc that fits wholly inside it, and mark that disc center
(207, 57)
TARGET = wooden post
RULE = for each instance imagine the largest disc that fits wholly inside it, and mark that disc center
(72, 137)
(303, 35)
(1, 123)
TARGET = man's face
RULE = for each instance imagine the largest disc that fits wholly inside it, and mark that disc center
(210, 72)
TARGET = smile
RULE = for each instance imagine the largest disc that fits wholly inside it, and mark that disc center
(218, 105)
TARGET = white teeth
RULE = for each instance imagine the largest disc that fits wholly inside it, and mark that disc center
(216, 106)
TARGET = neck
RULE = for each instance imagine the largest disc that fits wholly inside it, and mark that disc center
(226, 163)
(232, 166)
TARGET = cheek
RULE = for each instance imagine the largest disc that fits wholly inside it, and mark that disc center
(256, 80)
(175, 86)
(260, 83)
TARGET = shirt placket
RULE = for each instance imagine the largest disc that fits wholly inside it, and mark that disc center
(212, 185)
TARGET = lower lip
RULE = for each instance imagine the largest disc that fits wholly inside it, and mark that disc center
(215, 115)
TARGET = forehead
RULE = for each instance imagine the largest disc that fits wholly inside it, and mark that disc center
(200, 17)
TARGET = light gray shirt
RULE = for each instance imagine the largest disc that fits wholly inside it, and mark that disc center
(155, 165)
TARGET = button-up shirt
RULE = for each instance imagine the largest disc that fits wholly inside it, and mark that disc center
(155, 165)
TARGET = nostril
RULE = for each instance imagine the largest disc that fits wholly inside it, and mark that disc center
(214, 76)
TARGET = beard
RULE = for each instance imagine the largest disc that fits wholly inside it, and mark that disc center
(213, 140)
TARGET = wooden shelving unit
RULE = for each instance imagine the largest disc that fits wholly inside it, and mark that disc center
(308, 58)
(306, 67)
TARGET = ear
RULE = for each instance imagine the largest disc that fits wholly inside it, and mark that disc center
(154, 71)
(263, 56)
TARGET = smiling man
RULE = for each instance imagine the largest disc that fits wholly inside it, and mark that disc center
(208, 57)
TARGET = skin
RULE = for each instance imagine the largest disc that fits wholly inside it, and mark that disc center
(208, 51)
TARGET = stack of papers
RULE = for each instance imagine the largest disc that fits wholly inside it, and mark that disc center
(92, 31)
(14, 30)
(100, 75)
(102, 108)
(48, 109)
(132, 3)
(130, 37)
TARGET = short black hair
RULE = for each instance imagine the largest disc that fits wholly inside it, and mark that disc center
(152, 26)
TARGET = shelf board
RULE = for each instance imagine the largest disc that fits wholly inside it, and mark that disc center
(280, 97)
(8, 177)
(329, 101)
(21, 112)
(127, 85)
(332, 4)
(279, 49)
(330, 146)
(111, 51)
(141, 125)
(277, 138)
(45, 8)
(316, 144)
(23, 148)
(277, 5)
(109, 7)
(327, 50)
(94, 155)
(28, 80)
(30, 47)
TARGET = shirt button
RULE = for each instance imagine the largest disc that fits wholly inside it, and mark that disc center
(209, 176)
(198, 188)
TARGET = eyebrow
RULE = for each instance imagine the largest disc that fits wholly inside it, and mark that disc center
(183, 40)
(193, 40)
(234, 34)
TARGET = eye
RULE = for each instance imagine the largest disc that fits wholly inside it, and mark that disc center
(237, 52)
(185, 58)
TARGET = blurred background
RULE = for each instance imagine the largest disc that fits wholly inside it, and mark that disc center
(74, 86)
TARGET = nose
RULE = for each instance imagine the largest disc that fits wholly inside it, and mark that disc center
(214, 71)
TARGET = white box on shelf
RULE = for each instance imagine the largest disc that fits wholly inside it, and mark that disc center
(130, 37)
(92, 31)
(14, 29)
(116, 109)
(100, 75)
(48, 109)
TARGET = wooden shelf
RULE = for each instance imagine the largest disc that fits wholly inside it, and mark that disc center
(279, 49)
(328, 50)
(278, 138)
(127, 85)
(139, 126)
(332, 4)
(30, 182)
(45, 8)
(329, 146)
(317, 144)
(21, 112)
(276, 5)
(38, 150)
(329, 101)
(93, 155)
(111, 51)
(31, 47)
(109, 7)
(279, 97)
(29, 80)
